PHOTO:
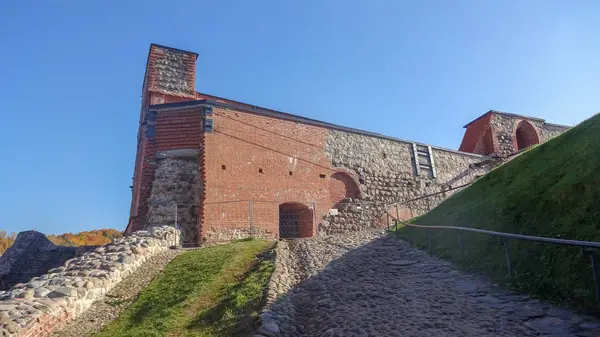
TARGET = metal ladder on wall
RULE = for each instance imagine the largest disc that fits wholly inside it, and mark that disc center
(423, 159)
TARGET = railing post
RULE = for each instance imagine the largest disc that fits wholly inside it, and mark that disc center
(397, 217)
(461, 244)
(176, 234)
(314, 205)
(592, 254)
(397, 223)
(388, 220)
(428, 240)
(251, 218)
(507, 253)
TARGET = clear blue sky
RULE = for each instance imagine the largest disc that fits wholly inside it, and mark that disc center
(71, 76)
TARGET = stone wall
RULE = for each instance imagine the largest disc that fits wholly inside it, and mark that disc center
(231, 234)
(37, 307)
(176, 181)
(504, 130)
(32, 254)
(549, 131)
(387, 174)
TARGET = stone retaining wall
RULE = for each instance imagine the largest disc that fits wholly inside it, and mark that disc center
(37, 307)
(277, 300)
(217, 235)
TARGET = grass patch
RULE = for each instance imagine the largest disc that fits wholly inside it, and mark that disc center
(216, 291)
(552, 190)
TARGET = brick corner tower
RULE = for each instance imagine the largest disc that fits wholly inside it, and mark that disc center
(169, 78)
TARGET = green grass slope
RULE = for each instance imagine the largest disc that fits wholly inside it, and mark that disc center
(552, 190)
(215, 291)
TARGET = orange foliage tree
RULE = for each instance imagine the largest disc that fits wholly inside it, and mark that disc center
(88, 238)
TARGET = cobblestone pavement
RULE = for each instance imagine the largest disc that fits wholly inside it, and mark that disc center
(118, 299)
(365, 284)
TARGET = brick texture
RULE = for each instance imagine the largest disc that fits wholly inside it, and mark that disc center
(478, 138)
(44, 325)
(245, 160)
(170, 77)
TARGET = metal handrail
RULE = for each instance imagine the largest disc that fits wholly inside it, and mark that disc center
(587, 244)
(588, 247)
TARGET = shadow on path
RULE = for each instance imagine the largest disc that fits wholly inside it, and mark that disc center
(363, 284)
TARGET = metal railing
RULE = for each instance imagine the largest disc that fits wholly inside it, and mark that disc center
(588, 247)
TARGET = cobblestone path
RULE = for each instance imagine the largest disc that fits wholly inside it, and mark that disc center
(363, 284)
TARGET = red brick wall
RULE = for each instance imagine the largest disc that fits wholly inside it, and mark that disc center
(143, 183)
(163, 71)
(342, 186)
(485, 144)
(178, 130)
(236, 153)
(474, 136)
(174, 130)
(44, 325)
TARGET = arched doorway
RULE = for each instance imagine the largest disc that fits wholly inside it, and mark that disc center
(525, 135)
(342, 186)
(295, 220)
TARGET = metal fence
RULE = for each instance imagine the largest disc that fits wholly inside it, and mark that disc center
(238, 219)
(588, 248)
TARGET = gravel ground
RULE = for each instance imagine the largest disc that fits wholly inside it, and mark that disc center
(365, 284)
(119, 298)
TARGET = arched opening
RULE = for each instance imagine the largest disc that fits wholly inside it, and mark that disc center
(342, 186)
(295, 220)
(525, 135)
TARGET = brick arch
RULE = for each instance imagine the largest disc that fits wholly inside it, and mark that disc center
(295, 220)
(525, 135)
(342, 185)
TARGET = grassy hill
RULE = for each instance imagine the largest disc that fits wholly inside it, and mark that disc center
(209, 292)
(552, 190)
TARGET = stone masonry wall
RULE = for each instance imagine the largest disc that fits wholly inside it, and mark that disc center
(176, 181)
(504, 128)
(548, 131)
(32, 254)
(36, 308)
(387, 174)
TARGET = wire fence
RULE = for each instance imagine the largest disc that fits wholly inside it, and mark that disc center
(238, 219)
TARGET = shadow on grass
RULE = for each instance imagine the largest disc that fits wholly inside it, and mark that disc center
(237, 314)
(166, 295)
(387, 288)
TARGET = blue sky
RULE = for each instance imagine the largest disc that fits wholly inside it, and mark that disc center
(71, 75)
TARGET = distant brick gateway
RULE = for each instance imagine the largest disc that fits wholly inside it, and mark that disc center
(230, 169)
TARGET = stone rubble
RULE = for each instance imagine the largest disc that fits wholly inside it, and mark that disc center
(40, 305)
(119, 298)
(32, 254)
(368, 284)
